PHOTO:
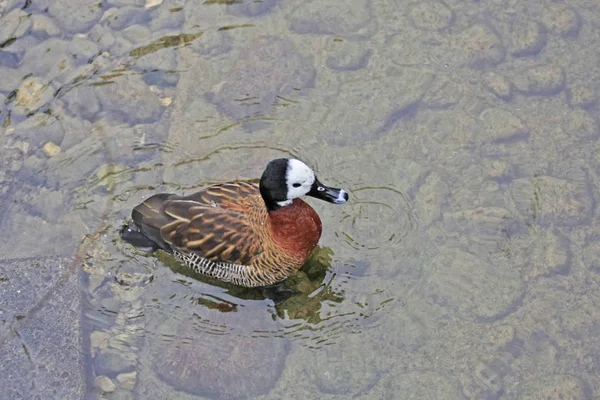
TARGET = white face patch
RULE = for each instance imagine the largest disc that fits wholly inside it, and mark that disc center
(299, 179)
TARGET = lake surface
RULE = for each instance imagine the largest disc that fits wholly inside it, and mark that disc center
(465, 266)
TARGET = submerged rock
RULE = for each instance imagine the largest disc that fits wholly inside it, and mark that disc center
(328, 17)
(430, 15)
(503, 125)
(418, 385)
(554, 387)
(376, 105)
(498, 85)
(76, 19)
(214, 354)
(562, 19)
(477, 47)
(546, 199)
(474, 288)
(529, 38)
(545, 80)
(269, 68)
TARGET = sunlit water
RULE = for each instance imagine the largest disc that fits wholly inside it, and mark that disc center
(464, 266)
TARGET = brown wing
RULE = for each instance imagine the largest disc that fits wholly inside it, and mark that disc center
(216, 223)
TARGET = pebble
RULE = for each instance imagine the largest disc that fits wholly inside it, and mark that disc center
(562, 19)
(580, 124)
(268, 68)
(529, 38)
(347, 56)
(14, 25)
(44, 24)
(32, 95)
(546, 199)
(502, 125)
(545, 80)
(56, 60)
(153, 3)
(430, 15)
(553, 387)
(478, 291)
(330, 17)
(352, 367)
(127, 380)
(477, 47)
(112, 361)
(76, 19)
(550, 254)
(104, 384)
(99, 340)
(40, 129)
(11, 79)
(582, 95)
(375, 102)
(130, 98)
(498, 85)
(51, 149)
(591, 254)
(251, 8)
(430, 198)
(414, 385)
(443, 94)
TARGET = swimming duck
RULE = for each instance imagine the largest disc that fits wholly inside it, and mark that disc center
(243, 233)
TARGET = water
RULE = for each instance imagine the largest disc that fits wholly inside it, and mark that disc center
(464, 266)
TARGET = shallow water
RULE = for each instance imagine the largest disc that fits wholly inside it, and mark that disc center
(464, 266)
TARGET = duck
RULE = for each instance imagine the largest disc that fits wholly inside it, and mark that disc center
(243, 233)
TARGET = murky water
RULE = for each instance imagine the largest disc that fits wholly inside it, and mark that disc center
(464, 266)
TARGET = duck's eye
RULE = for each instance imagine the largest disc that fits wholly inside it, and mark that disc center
(297, 184)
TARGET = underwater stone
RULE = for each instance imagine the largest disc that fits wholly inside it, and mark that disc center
(529, 38)
(550, 254)
(32, 95)
(131, 98)
(234, 364)
(45, 25)
(76, 19)
(477, 47)
(498, 85)
(104, 384)
(111, 362)
(251, 8)
(418, 385)
(347, 56)
(579, 124)
(377, 104)
(430, 15)
(127, 380)
(546, 199)
(562, 19)
(329, 17)
(554, 387)
(503, 125)
(443, 94)
(269, 68)
(478, 291)
(14, 25)
(545, 80)
(591, 254)
(582, 94)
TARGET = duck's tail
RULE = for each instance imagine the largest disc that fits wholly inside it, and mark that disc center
(148, 218)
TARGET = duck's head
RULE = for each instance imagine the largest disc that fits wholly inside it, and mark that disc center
(286, 179)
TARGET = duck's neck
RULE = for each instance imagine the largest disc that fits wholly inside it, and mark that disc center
(296, 228)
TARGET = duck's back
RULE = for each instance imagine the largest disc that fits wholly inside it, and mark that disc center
(223, 231)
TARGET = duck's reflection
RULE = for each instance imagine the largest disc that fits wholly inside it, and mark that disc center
(298, 297)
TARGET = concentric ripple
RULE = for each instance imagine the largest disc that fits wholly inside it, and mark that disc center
(376, 220)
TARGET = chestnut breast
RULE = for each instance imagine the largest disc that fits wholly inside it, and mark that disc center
(296, 228)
